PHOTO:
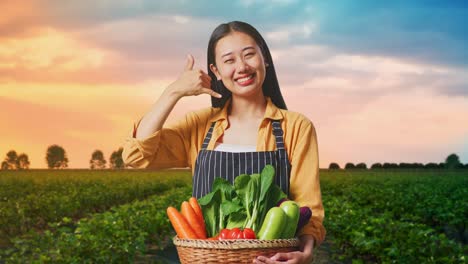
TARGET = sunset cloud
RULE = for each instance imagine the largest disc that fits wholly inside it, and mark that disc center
(381, 82)
(50, 48)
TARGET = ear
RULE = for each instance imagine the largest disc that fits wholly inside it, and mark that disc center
(214, 70)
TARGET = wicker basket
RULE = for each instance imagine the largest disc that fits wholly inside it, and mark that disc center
(230, 251)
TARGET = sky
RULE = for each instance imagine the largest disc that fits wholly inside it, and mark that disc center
(382, 81)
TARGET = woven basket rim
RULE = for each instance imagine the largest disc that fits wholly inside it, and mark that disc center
(236, 243)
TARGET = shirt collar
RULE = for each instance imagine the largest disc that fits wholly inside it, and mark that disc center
(272, 112)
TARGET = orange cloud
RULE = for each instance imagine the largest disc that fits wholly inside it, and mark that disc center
(51, 53)
(18, 18)
(31, 128)
(80, 119)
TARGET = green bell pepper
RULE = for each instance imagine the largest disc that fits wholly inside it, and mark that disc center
(273, 225)
(291, 209)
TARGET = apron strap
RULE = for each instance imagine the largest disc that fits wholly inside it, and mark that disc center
(208, 136)
(278, 133)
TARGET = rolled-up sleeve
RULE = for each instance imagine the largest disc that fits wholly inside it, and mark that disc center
(166, 148)
(305, 181)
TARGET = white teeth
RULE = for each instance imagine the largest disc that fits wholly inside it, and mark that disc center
(245, 79)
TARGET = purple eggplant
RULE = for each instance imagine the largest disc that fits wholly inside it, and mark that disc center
(304, 216)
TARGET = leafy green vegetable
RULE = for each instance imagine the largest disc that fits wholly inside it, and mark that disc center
(227, 193)
(236, 219)
(243, 205)
(210, 205)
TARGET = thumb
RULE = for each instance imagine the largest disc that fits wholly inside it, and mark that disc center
(190, 62)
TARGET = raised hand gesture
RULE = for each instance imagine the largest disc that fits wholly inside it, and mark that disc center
(193, 82)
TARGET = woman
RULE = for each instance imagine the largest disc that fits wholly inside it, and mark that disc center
(246, 128)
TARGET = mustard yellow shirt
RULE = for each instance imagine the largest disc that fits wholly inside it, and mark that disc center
(178, 144)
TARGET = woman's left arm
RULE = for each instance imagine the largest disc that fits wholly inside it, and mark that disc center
(305, 180)
(305, 190)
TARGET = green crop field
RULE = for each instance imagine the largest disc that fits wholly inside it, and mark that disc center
(398, 216)
(83, 216)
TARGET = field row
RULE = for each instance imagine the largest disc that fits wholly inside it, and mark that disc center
(404, 217)
(372, 216)
(33, 199)
(115, 236)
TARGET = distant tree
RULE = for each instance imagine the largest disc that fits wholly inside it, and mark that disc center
(431, 165)
(361, 166)
(23, 162)
(56, 157)
(349, 165)
(116, 160)
(414, 165)
(97, 160)
(334, 166)
(452, 161)
(387, 165)
(376, 166)
(404, 165)
(11, 161)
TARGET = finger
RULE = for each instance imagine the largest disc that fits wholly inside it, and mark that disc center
(206, 84)
(189, 63)
(263, 259)
(203, 72)
(211, 92)
(281, 256)
(206, 77)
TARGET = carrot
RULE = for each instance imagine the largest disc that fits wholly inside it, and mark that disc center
(196, 207)
(180, 225)
(192, 218)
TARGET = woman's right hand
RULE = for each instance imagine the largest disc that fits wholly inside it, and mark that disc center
(192, 82)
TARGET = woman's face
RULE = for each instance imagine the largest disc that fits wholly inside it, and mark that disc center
(239, 64)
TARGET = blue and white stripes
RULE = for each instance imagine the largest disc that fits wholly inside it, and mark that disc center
(211, 164)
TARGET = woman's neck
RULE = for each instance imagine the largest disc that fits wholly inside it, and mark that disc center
(242, 108)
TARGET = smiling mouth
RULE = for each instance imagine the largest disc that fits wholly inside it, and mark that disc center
(246, 80)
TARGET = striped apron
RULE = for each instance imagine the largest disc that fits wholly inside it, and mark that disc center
(228, 165)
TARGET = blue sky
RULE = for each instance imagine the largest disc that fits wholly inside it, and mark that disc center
(381, 80)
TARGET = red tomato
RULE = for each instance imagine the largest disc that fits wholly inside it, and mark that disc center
(224, 234)
(235, 233)
(249, 233)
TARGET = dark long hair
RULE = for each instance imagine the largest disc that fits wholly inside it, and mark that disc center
(270, 85)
